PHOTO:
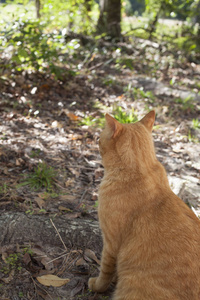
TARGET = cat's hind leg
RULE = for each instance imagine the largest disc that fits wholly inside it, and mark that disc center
(107, 272)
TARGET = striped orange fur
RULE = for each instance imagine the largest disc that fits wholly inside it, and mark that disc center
(151, 239)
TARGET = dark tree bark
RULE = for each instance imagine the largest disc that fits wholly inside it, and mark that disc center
(197, 13)
(22, 228)
(197, 20)
(38, 7)
(110, 18)
(154, 22)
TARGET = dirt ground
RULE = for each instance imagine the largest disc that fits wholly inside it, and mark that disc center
(56, 124)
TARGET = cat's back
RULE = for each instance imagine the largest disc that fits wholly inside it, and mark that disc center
(150, 233)
(161, 256)
(167, 225)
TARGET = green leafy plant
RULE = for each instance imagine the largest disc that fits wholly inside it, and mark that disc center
(12, 263)
(27, 250)
(145, 95)
(187, 103)
(96, 204)
(109, 80)
(21, 295)
(13, 260)
(195, 124)
(32, 47)
(88, 121)
(125, 117)
(30, 212)
(139, 93)
(35, 153)
(123, 62)
(93, 121)
(192, 138)
(43, 176)
(4, 189)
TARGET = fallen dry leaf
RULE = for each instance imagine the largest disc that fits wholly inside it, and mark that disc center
(73, 215)
(45, 86)
(33, 265)
(74, 172)
(91, 255)
(47, 262)
(40, 202)
(52, 280)
(79, 287)
(72, 116)
(26, 258)
(67, 197)
(69, 182)
(69, 114)
(5, 171)
(63, 208)
(81, 267)
(19, 162)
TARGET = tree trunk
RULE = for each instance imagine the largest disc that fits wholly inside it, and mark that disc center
(110, 18)
(20, 228)
(154, 22)
(38, 7)
(198, 20)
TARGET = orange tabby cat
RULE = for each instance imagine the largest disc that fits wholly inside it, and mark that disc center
(151, 239)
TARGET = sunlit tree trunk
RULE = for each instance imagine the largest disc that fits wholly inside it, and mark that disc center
(198, 19)
(37, 6)
(110, 18)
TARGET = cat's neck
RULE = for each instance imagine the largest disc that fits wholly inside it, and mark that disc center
(142, 173)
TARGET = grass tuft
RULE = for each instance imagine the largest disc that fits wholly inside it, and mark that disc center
(43, 176)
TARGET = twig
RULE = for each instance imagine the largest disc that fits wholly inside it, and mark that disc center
(58, 234)
(60, 256)
(57, 184)
(66, 259)
(96, 66)
(83, 195)
(82, 167)
(36, 284)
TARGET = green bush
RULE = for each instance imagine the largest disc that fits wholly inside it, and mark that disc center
(29, 46)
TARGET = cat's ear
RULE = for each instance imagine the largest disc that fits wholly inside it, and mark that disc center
(149, 120)
(113, 125)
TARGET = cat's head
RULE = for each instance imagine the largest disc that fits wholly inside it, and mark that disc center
(127, 145)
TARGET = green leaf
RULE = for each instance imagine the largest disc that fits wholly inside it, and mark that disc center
(23, 53)
(16, 59)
